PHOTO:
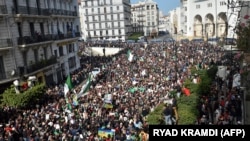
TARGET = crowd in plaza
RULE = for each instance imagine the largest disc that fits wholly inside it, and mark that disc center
(138, 78)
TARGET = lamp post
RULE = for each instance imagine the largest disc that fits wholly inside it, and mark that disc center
(175, 61)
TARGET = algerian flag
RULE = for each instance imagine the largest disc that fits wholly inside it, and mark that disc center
(130, 56)
(68, 85)
(85, 87)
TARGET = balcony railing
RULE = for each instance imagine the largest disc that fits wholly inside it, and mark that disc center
(34, 39)
(41, 64)
(66, 36)
(43, 38)
(5, 43)
(45, 12)
(3, 9)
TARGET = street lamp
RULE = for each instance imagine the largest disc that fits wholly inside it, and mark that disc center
(176, 61)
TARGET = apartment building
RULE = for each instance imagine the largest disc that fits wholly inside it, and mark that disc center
(208, 18)
(145, 17)
(105, 19)
(184, 12)
(38, 38)
(164, 22)
(175, 21)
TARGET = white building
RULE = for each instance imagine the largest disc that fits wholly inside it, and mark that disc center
(175, 20)
(164, 22)
(184, 12)
(105, 19)
(145, 17)
(207, 18)
(38, 38)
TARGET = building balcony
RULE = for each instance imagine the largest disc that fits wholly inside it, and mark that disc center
(62, 12)
(3, 9)
(5, 44)
(33, 39)
(69, 35)
(44, 12)
(41, 64)
(45, 38)
(140, 15)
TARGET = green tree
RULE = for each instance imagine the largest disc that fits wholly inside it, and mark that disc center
(28, 97)
(243, 36)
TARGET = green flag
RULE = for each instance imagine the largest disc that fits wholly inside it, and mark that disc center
(130, 56)
(85, 87)
(68, 85)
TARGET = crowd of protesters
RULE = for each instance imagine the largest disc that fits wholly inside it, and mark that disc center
(137, 86)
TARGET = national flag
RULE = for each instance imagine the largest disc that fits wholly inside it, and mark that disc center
(85, 87)
(68, 85)
(130, 56)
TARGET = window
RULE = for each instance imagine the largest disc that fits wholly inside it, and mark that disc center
(86, 11)
(55, 53)
(71, 49)
(20, 32)
(148, 23)
(223, 3)
(185, 8)
(153, 23)
(198, 6)
(60, 51)
(72, 62)
(111, 9)
(2, 69)
(209, 5)
(36, 55)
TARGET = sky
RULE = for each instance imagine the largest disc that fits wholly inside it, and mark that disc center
(164, 5)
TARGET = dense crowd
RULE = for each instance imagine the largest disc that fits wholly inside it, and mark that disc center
(137, 86)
